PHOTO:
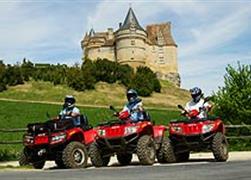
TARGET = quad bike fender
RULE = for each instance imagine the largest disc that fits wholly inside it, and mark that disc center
(75, 134)
(89, 136)
(159, 132)
(219, 126)
(145, 128)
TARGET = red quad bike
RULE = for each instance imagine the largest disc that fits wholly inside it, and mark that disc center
(193, 134)
(57, 140)
(123, 138)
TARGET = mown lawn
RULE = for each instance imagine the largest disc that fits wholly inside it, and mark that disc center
(19, 114)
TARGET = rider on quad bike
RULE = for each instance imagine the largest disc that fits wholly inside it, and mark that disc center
(198, 132)
(70, 111)
(134, 107)
(197, 107)
(64, 139)
(132, 133)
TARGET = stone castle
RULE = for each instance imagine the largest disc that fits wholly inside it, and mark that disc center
(153, 47)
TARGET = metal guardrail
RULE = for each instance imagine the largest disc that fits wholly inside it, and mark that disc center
(238, 126)
(11, 142)
(24, 129)
(13, 130)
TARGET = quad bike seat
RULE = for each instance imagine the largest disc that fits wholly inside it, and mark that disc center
(84, 124)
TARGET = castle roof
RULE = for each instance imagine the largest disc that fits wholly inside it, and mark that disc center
(92, 32)
(131, 21)
(160, 34)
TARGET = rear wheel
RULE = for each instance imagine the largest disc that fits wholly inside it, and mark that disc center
(166, 152)
(146, 150)
(97, 159)
(75, 155)
(124, 158)
(219, 147)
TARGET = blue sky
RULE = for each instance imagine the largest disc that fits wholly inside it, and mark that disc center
(209, 34)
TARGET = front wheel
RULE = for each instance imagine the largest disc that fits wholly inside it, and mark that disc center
(166, 152)
(23, 159)
(75, 155)
(97, 158)
(219, 147)
(146, 150)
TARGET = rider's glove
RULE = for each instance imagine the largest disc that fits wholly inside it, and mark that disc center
(116, 114)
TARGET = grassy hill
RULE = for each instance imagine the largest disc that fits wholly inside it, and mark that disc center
(104, 94)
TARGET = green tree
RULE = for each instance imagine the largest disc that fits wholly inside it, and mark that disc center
(106, 71)
(125, 74)
(13, 75)
(233, 100)
(2, 76)
(88, 72)
(145, 81)
(27, 69)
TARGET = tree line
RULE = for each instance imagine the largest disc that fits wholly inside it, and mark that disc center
(81, 77)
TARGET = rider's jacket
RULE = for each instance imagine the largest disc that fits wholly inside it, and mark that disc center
(135, 110)
(200, 106)
(66, 114)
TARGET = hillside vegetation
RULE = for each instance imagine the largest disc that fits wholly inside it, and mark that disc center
(104, 94)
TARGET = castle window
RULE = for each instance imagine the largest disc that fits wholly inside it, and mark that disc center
(160, 39)
(132, 58)
(132, 42)
(161, 60)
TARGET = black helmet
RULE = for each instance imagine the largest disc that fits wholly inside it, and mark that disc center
(131, 95)
(196, 94)
(69, 101)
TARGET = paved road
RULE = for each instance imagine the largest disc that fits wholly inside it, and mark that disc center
(195, 170)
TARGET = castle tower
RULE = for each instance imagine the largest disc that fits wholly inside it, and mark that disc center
(130, 42)
(99, 45)
(163, 56)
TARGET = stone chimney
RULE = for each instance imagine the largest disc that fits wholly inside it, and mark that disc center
(110, 33)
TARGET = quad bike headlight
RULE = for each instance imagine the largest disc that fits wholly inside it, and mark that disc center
(177, 129)
(207, 128)
(130, 130)
(58, 137)
(101, 132)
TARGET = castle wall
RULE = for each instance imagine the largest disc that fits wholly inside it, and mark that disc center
(101, 52)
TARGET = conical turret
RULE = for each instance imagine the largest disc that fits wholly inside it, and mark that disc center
(131, 21)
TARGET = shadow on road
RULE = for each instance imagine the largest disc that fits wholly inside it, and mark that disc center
(136, 163)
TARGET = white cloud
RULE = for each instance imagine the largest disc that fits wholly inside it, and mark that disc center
(109, 13)
(217, 33)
